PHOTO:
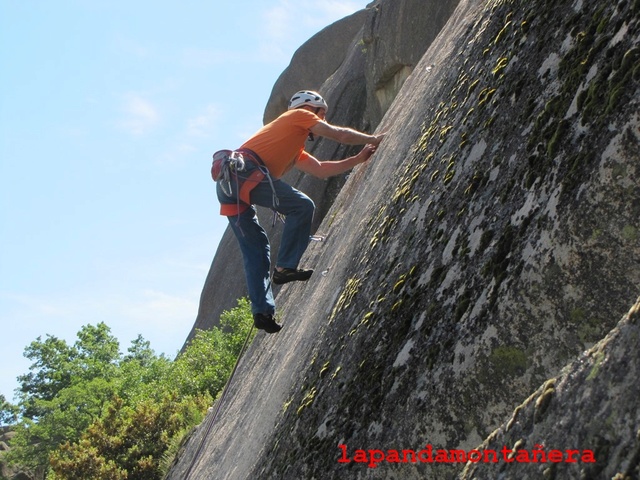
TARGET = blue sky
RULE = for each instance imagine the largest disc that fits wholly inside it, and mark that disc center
(110, 111)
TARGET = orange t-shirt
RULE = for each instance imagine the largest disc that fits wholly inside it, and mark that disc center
(280, 143)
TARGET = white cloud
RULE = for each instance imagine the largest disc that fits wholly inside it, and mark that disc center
(34, 306)
(318, 15)
(193, 137)
(140, 115)
(160, 317)
(286, 15)
(277, 19)
(176, 154)
(131, 47)
(292, 23)
(206, 58)
(156, 309)
(202, 124)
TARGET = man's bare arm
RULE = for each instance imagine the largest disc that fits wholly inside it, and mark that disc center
(326, 169)
(345, 135)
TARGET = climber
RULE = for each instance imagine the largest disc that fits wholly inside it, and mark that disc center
(252, 175)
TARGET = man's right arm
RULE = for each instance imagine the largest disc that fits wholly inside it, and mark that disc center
(345, 135)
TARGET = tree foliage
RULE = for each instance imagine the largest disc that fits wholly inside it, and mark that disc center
(128, 441)
(65, 391)
(8, 412)
(92, 412)
(208, 361)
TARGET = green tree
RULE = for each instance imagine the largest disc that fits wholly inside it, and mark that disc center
(210, 357)
(8, 412)
(57, 366)
(96, 413)
(143, 374)
(49, 373)
(64, 392)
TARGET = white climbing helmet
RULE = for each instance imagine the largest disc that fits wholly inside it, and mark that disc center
(307, 97)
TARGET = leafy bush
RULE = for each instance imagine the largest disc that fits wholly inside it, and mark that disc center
(128, 442)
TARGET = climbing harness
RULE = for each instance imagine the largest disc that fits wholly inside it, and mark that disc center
(215, 415)
(230, 168)
(225, 164)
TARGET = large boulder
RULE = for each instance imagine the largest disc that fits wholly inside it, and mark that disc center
(584, 423)
(492, 239)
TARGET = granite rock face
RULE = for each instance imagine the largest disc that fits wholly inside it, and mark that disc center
(590, 409)
(491, 240)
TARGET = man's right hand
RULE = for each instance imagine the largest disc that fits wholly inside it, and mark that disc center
(378, 138)
(364, 154)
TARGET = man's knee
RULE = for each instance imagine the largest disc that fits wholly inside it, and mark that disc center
(308, 206)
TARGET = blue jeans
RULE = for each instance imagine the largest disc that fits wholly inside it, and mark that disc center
(254, 243)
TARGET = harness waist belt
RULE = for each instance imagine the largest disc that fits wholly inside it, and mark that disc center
(245, 184)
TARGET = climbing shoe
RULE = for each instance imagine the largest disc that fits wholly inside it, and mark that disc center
(290, 275)
(266, 323)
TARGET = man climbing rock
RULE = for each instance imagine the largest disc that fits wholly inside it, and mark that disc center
(251, 176)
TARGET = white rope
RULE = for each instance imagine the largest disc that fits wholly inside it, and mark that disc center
(222, 397)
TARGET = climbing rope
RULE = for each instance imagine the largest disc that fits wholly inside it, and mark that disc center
(215, 415)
